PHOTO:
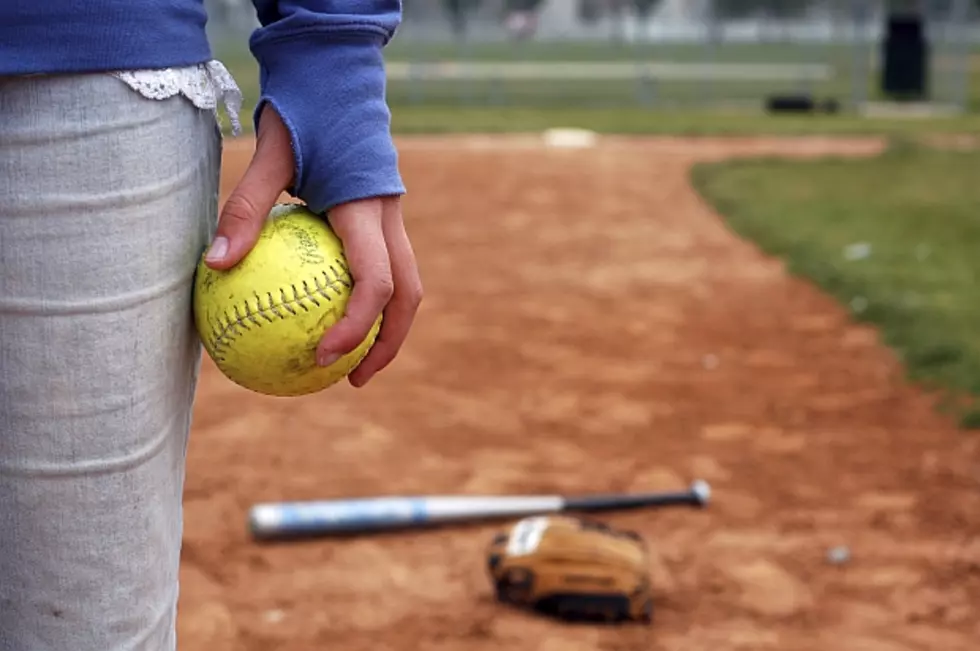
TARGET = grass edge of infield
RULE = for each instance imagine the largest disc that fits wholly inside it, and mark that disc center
(927, 356)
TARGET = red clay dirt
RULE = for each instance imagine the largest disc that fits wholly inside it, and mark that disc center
(591, 325)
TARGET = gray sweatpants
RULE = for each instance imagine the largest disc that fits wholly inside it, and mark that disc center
(107, 199)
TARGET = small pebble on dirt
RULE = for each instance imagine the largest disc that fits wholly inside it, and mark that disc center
(838, 555)
(274, 616)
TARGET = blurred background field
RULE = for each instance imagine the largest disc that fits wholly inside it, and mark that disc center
(685, 66)
(697, 67)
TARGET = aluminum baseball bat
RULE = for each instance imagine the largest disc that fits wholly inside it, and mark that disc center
(374, 514)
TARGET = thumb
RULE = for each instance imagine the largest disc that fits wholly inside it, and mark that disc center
(248, 206)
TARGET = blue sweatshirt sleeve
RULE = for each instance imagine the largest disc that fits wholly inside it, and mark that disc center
(321, 69)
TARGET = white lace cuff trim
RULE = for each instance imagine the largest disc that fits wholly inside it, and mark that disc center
(206, 85)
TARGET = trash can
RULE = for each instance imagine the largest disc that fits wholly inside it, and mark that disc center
(905, 56)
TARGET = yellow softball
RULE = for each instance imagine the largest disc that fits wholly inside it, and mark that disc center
(261, 320)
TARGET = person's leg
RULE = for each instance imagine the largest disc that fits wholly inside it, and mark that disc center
(107, 200)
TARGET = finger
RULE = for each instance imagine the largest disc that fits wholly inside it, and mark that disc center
(358, 225)
(248, 206)
(404, 304)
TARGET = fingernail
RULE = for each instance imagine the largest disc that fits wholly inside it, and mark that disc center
(218, 250)
(326, 359)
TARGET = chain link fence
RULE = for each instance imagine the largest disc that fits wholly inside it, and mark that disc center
(665, 53)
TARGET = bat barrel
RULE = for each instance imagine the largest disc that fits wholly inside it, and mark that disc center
(330, 517)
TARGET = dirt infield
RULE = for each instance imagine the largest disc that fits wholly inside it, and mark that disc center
(590, 325)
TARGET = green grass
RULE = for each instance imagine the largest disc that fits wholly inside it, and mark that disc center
(917, 210)
(638, 121)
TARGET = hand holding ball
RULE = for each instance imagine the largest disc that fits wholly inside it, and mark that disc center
(261, 321)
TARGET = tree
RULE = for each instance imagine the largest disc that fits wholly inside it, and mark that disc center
(589, 11)
(734, 9)
(458, 11)
(787, 8)
(939, 8)
(523, 5)
(645, 8)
